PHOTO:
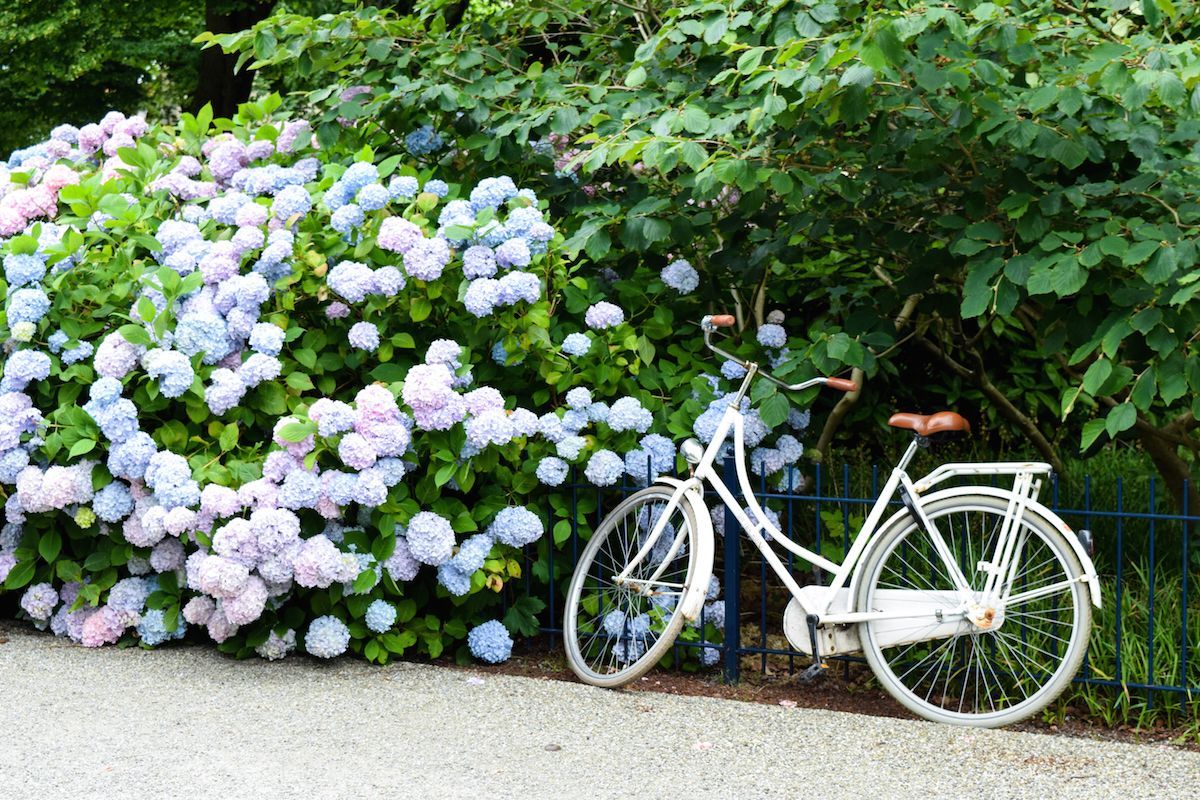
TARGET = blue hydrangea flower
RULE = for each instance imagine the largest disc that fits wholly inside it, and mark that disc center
(479, 262)
(628, 414)
(552, 471)
(373, 197)
(733, 370)
(472, 553)
(114, 502)
(577, 344)
(266, 338)
(482, 296)
(490, 642)
(604, 468)
(492, 192)
(569, 447)
(172, 369)
(423, 141)
(346, 218)
(153, 628)
(430, 538)
(130, 458)
(291, 201)
(300, 489)
(516, 526)
(603, 315)
(78, 353)
(380, 616)
(579, 398)
(513, 253)
(27, 305)
(403, 187)
(771, 335)
(456, 581)
(681, 276)
(437, 188)
(327, 637)
(359, 174)
(24, 269)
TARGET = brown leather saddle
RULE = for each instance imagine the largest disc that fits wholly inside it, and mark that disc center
(930, 424)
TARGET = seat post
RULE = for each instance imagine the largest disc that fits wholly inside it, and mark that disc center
(913, 446)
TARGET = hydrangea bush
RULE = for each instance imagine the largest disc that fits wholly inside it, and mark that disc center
(314, 398)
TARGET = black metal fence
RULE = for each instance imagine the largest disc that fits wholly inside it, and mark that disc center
(1143, 638)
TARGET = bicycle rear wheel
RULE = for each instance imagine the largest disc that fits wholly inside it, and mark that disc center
(942, 666)
(614, 633)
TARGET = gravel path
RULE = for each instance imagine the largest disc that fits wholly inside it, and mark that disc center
(187, 722)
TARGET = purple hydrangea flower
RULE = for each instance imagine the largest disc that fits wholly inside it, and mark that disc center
(603, 315)
(364, 336)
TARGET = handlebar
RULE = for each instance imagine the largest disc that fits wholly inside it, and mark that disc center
(710, 324)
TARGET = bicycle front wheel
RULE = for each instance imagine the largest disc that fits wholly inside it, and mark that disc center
(615, 633)
(942, 666)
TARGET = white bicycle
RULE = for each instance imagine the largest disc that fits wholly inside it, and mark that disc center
(972, 604)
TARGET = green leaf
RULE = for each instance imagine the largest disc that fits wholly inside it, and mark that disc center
(297, 431)
(774, 410)
(1120, 418)
(19, 575)
(299, 380)
(1091, 430)
(1138, 253)
(1096, 375)
(1069, 153)
(135, 334)
(695, 119)
(50, 545)
(635, 77)
(229, 437)
(420, 309)
(80, 447)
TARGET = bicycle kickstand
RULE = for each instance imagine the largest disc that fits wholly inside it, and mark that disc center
(818, 666)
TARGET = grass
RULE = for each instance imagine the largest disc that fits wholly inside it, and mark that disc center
(1138, 658)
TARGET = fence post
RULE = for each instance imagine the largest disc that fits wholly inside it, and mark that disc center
(733, 630)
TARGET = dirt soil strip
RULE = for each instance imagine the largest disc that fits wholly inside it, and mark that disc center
(187, 722)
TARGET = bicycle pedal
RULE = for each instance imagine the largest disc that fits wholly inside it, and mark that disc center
(813, 671)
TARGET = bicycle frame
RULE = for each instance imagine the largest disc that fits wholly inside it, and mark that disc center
(820, 602)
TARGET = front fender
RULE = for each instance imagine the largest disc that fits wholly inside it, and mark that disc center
(704, 545)
(1031, 507)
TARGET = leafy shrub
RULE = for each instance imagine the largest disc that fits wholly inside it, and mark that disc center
(305, 396)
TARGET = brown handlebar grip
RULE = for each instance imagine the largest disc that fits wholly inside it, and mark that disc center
(722, 320)
(842, 384)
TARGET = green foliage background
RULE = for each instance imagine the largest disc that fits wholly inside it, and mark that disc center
(985, 205)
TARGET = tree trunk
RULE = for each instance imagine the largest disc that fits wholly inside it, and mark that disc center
(1162, 445)
(219, 84)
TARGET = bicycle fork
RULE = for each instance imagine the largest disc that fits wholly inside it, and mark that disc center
(702, 540)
